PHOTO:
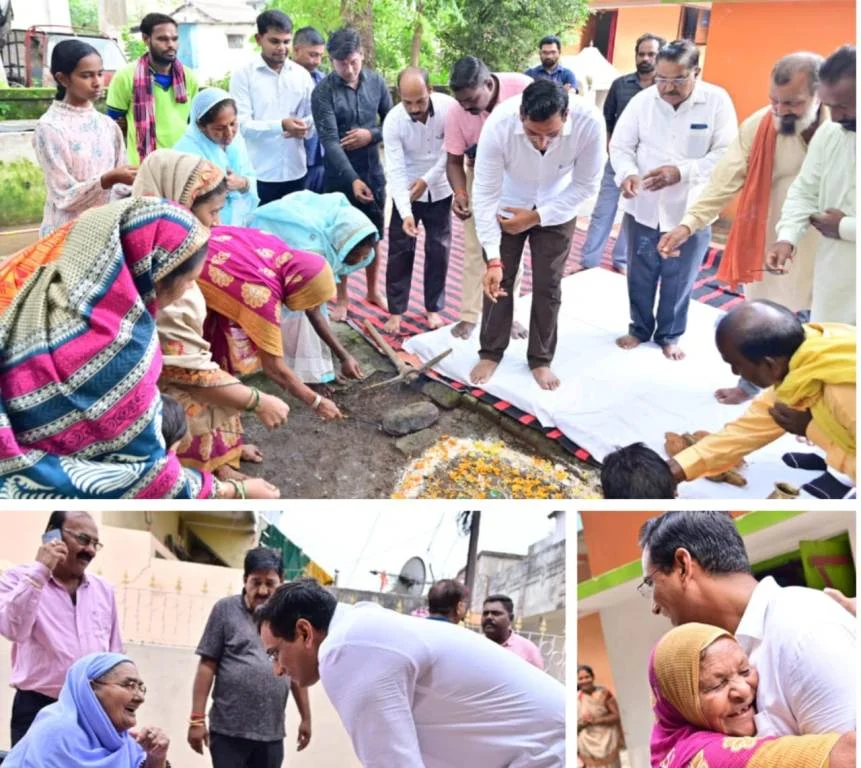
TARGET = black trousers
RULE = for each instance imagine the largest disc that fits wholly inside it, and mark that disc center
(269, 191)
(233, 752)
(436, 218)
(25, 706)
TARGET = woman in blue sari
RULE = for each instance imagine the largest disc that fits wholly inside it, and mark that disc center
(213, 134)
(90, 726)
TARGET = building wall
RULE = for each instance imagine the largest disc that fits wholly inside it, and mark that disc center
(214, 58)
(169, 674)
(611, 538)
(592, 649)
(742, 56)
(662, 20)
(159, 524)
(229, 540)
(535, 584)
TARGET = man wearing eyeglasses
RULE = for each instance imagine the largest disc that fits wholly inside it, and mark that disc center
(663, 149)
(55, 613)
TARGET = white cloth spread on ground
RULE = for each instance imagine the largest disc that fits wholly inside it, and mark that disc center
(611, 397)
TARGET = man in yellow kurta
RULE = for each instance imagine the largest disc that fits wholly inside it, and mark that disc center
(808, 373)
(762, 163)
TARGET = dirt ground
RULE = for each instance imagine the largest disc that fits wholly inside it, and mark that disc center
(353, 458)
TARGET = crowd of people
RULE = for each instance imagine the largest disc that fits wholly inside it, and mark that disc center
(402, 686)
(277, 192)
(752, 673)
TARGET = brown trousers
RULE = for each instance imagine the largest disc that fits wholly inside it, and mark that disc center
(549, 247)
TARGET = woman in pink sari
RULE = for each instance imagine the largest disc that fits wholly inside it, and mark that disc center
(247, 278)
(704, 701)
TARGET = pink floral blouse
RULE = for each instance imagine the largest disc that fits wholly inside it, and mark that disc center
(75, 146)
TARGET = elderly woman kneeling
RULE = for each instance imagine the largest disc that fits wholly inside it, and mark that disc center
(704, 701)
(92, 722)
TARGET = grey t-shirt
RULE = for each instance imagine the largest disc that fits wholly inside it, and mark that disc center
(248, 700)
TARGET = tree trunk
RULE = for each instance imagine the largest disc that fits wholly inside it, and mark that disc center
(360, 15)
(415, 53)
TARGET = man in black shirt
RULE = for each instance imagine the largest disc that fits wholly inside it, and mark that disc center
(349, 106)
(621, 92)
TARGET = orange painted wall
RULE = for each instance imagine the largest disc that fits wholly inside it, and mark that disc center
(591, 649)
(633, 22)
(745, 39)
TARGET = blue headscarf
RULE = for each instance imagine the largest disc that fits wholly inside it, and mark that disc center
(239, 205)
(76, 730)
(324, 224)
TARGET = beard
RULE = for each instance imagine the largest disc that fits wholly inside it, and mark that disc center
(645, 67)
(792, 125)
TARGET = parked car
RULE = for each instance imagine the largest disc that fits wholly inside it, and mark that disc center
(26, 53)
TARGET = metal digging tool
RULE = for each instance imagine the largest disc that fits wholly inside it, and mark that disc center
(407, 372)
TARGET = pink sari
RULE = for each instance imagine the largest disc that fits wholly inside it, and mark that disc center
(247, 278)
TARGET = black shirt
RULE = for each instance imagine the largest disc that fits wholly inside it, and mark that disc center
(622, 90)
(338, 109)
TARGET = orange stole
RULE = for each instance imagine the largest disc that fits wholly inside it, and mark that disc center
(744, 255)
(21, 266)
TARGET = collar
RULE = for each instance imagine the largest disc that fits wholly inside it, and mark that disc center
(343, 83)
(697, 97)
(260, 63)
(430, 113)
(437, 618)
(556, 67)
(566, 128)
(85, 581)
(752, 624)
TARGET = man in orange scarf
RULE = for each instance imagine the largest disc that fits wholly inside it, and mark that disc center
(809, 376)
(762, 164)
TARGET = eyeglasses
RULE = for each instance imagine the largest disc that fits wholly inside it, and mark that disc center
(646, 587)
(672, 80)
(84, 540)
(129, 685)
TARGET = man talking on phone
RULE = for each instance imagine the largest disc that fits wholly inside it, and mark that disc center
(541, 154)
(54, 613)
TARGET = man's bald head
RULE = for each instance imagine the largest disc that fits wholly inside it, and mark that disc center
(757, 339)
(414, 89)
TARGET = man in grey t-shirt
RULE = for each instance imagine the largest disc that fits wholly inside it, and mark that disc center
(246, 720)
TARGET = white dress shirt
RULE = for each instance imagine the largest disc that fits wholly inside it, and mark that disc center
(802, 643)
(264, 98)
(650, 133)
(511, 173)
(414, 693)
(414, 150)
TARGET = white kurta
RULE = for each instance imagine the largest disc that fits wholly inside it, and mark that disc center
(826, 180)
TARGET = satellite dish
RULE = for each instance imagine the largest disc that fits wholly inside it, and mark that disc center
(411, 579)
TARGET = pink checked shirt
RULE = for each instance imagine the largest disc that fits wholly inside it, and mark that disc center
(49, 632)
(525, 649)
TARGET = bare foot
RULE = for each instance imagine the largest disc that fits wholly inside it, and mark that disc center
(732, 395)
(434, 321)
(483, 371)
(463, 330)
(375, 297)
(226, 472)
(673, 352)
(338, 314)
(518, 331)
(393, 324)
(628, 341)
(546, 378)
(251, 453)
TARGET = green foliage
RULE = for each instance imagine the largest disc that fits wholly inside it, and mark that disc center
(132, 44)
(503, 33)
(24, 103)
(84, 13)
(23, 188)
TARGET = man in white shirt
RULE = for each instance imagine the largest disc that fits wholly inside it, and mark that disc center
(273, 100)
(823, 195)
(540, 156)
(413, 134)
(663, 149)
(414, 693)
(801, 642)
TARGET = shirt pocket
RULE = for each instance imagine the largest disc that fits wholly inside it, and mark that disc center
(699, 138)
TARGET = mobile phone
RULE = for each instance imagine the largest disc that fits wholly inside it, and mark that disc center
(54, 535)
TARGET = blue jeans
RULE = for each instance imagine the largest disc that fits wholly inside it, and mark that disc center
(315, 181)
(601, 223)
(675, 274)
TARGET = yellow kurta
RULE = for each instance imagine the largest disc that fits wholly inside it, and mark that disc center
(795, 289)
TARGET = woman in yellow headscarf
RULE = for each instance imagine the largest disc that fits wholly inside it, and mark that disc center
(704, 701)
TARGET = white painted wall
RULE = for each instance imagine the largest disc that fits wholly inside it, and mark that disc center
(169, 673)
(214, 58)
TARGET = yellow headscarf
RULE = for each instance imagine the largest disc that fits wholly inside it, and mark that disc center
(827, 356)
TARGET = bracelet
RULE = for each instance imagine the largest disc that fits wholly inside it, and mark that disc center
(192, 723)
(197, 715)
(317, 400)
(239, 487)
(254, 403)
(491, 263)
(461, 191)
